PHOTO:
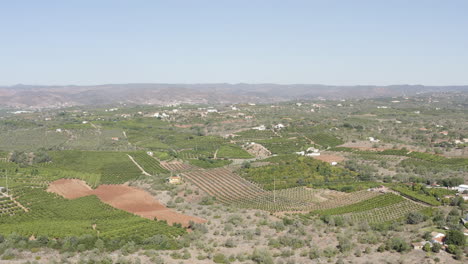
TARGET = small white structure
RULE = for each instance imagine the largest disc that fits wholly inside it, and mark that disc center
(461, 188)
(299, 104)
(382, 107)
(302, 153)
(437, 238)
(279, 126)
(333, 163)
(260, 128)
(174, 180)
(2, 189)
(150, 153)
(313, 154)
(374, 140)
(85, 122)
(417, 112)
(312, 149)
(58, 130)
(212, 111)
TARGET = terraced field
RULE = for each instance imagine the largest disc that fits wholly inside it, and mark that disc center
(148, 163)
(231, 189)
(176, 166)
(386, 213)
(8, 207)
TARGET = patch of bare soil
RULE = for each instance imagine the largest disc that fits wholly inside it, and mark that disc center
(257, 150)
(70, 188)
(367, 145)
(330, 158)
(127, 198)
(187, 125)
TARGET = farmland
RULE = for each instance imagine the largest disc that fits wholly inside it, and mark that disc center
(205, 184)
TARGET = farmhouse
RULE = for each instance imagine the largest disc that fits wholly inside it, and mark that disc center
(279, 126)
(462, 188)
(174, 180)
(437, 238)
(115, 138)
(312, 149)
(420, 245)
(260, 128)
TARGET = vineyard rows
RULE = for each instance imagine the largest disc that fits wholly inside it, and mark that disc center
(8, 207)
(148, 163)
(231, 189)
(176, 166)
(386, 213)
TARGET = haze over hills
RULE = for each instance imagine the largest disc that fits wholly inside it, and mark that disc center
(41, 96)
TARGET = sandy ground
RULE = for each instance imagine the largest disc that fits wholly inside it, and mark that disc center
(127, 198)
(329, 158)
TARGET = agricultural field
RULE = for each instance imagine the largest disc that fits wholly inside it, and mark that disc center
(192, 165)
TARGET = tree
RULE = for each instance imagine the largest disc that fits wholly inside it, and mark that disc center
(397, 244)
(436, 247)
(427, 247)
(415, 218)
(455, 237)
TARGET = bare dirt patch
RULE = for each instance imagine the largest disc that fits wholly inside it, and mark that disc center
(127, 198)
(330, 158)
(70, 188)
(257, 150)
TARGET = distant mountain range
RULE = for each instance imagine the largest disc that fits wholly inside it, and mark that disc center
(37, 96)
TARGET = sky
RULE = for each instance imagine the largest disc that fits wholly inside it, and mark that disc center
(377, 42)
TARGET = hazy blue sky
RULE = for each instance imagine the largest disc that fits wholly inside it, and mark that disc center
(287, 41)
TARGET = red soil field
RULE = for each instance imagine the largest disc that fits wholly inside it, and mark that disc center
(127, 198)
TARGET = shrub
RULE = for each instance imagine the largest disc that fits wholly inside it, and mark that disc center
(262, 256)
(397, 244)
(415, 218)
(455, 237)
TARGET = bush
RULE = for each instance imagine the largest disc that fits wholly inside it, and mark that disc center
(427, 247)
(436, 247)
(455, 237)
(397, 244)
(415, 218)
(220, 258)
(262, 256)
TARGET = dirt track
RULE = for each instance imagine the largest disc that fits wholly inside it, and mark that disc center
(123, 197)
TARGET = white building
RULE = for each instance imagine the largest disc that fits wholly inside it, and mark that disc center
(372, 139)
(312, 149)
(461, 188)
(279, 126)
(260, 128)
